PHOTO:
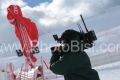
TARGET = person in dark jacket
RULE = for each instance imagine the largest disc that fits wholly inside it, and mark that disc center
(70, 60)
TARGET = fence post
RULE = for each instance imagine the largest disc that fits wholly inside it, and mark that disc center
(42, 68)
(46, 64)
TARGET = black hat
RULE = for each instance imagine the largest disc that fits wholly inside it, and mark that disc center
(68, 35)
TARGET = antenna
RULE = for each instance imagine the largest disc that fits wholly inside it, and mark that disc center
(80, 28)
(84, 23)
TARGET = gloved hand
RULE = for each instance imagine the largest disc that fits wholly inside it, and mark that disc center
(56, 48)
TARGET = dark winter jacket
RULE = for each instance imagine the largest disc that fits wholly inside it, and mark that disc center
(73, 65)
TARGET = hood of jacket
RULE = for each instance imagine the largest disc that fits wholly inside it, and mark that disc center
(75, 45)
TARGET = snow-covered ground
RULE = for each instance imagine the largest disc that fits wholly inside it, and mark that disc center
(109, 19)
(109, 71)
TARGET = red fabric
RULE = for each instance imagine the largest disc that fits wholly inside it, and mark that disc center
(11, 66)
(16, 14)
(29, 30)
(24, 48)
(13, 12)
(14, 76)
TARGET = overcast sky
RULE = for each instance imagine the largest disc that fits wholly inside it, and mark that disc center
(51, 14)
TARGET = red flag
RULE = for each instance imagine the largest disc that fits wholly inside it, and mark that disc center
(25, 30)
